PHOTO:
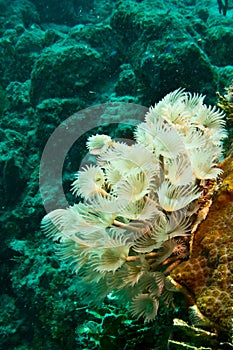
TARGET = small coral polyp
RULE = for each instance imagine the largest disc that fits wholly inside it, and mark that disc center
(226, 102)
(139, 205)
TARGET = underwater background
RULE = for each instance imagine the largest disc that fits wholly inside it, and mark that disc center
(57, 58)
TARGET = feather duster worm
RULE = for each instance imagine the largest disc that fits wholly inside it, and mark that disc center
(139, 203)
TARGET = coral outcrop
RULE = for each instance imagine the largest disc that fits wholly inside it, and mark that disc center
(207, 274)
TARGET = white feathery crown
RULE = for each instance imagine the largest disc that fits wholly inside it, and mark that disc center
(136, 202)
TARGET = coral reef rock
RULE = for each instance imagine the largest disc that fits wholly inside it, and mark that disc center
(207, 274)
